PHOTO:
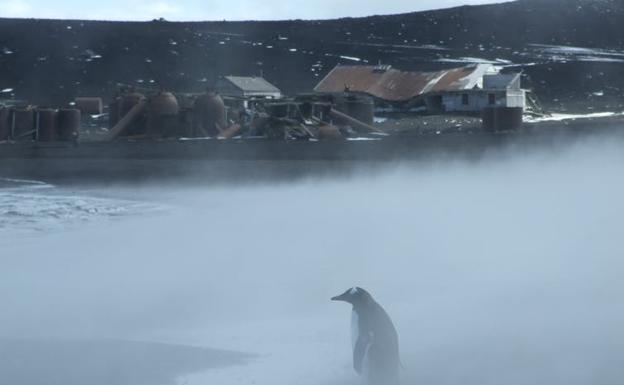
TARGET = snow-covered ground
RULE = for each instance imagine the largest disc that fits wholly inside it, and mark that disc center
(558, 117)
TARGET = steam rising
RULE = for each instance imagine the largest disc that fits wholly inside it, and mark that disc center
(506, 271)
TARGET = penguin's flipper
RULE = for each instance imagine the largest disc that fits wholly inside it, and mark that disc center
(359, 351)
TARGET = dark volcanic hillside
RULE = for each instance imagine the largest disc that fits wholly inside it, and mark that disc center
(51, 61)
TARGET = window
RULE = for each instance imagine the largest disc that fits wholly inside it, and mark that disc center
(491, 99)
(465, 99)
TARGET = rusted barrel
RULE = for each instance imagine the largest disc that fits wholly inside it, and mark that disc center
(46, 124)
(5, 126)
(22, 123)
(162, 114)
(113, 112)
(488, 119)
(359, 107)
(329, 132)
(501, 118)
(209, 115)
(89, 105)
(68, 124)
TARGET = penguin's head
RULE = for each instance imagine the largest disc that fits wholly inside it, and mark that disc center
(354, 296)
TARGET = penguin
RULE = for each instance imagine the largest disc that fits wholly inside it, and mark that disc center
(374, 339)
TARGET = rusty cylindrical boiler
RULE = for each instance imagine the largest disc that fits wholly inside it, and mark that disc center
(68, 124)
(359, 107)
(89, 105)
(209, 115)
(46, 125)
(162, 114)
(329, 131)
(501, 118)
(22, 123)
(5, 126)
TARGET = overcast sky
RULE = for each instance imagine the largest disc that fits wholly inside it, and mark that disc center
(217, 9)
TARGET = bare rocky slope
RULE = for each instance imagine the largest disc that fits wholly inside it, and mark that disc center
(571, 51)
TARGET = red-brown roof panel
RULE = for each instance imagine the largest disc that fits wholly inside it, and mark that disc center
(391, 84)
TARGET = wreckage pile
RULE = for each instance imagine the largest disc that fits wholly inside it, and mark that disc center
(165, 115)
(149, 115)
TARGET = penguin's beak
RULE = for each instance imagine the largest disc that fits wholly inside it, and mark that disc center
(340, 297)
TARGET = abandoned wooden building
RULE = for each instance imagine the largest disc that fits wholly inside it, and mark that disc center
(467, 89)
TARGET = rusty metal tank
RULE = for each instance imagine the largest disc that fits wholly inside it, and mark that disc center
(185, 122)
(329, 132)
(22, 123)
(5, 126)
(46, 124)
(501, 118)
(162, 114)
(209, 115)
(89, 105)
(359, 107)
(68, 122)
(362, 108)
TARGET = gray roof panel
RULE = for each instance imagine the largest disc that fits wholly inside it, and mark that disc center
(252, 84)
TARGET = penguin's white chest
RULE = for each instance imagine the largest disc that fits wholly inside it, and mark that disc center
(355, 335)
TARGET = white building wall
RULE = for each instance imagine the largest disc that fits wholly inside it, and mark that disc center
(516, 98)
(478, 100)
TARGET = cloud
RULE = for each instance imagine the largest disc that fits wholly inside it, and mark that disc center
(219, 9)
(159, 9)
(14, 8)
(320, 9)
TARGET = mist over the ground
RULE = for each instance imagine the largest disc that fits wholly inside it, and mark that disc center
(502, 271)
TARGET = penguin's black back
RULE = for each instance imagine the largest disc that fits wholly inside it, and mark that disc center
(383, 354)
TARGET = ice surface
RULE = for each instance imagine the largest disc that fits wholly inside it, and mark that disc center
(500, 271)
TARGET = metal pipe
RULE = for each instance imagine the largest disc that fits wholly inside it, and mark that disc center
(127, 120)
(13, 124)
(37, 123)
(356, 123)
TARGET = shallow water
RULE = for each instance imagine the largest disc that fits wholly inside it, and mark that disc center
(28, 207)
(503, 271)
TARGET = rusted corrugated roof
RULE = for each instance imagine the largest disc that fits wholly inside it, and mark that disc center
(395, 85)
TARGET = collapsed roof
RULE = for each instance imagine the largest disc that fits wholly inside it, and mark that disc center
(394, 85)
